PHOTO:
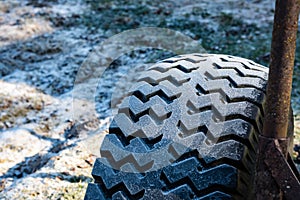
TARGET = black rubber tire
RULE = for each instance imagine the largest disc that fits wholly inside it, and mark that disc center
(188, 130)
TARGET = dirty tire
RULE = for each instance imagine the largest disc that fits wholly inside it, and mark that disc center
(187, 130)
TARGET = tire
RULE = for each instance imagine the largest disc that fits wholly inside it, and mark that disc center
(187, 130)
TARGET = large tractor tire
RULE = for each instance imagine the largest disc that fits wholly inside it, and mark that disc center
(187, 130)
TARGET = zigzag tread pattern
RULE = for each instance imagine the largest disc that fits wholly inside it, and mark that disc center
(181, 180)
(208, 104)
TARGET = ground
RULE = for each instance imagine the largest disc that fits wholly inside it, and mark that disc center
(47, 135)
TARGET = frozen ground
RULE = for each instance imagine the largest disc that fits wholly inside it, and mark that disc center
(47, 137)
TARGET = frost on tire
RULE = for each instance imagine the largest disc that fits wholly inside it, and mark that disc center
(188, 130)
